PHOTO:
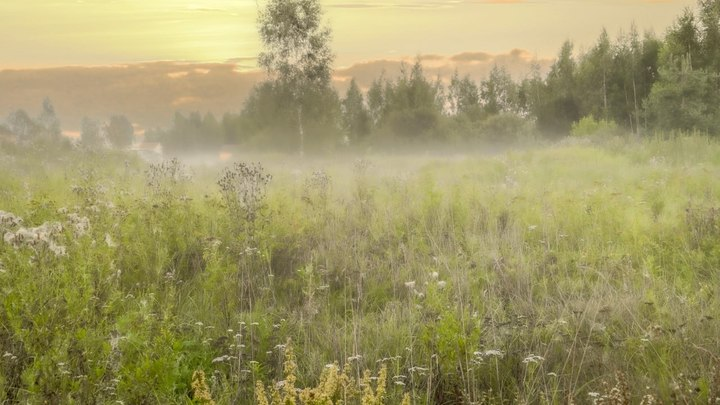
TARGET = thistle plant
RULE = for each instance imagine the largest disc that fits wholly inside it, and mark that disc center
(243, 187)
(316, 189)
(164, 178)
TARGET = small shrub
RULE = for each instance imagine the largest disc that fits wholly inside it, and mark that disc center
(588, 126)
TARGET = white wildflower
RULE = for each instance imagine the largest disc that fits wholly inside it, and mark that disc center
(410, 284)
(533, 359)
(58, 250)
(221, 359)
(490, 353)
(9, 238)
(9, 220)
(109, 241)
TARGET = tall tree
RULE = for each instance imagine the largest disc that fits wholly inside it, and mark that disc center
(413, 103)
(498, 92)
(377, 100)
(682, 42)
(24, 127)
(297, 51)
(560, 106)
(593, 76)
(356, 119)
(120, 131)
(90, 133)
(710, 36)
(49, 120)
(463, 96)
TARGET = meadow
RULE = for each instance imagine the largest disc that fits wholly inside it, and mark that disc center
(586, 271)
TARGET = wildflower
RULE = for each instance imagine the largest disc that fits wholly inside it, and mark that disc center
(221, 359)
(9, 220)
(533, 359)
(490, 353)
(441, 284)
(57, 249)
(410, 284)
(80, 225)
(9, 238)
(435, 275)
(201, 392)
(109, 241)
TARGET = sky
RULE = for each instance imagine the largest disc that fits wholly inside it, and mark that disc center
(110, 43)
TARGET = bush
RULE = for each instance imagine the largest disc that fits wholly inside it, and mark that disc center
(590, 126)
(505, 128)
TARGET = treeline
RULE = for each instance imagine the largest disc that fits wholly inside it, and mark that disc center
(634, 83)
(117, 132)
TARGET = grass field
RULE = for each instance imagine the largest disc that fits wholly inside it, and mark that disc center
(579, 272)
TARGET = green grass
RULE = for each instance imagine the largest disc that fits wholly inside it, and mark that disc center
(593, 256)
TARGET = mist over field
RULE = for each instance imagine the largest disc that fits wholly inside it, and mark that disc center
(327, 220)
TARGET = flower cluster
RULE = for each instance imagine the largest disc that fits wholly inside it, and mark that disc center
(9, 220)
(43, 236)
(36, 238)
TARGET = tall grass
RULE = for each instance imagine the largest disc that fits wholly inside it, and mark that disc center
(555, 275)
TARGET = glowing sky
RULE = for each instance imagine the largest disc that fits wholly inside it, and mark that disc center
(44, 33)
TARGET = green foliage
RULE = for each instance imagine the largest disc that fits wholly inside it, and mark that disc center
(684, 99)
(90, 134)
(590, 126)
(120, 131)
(355, 116)
(192, 133)
(498, 93)
(412, 104)
(26, 129)
(270, 118)
(463, 96)
(505, 128)
(559, 106)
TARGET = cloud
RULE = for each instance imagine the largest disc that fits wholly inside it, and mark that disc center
(477, 65)
(471, 57)
(148, 93)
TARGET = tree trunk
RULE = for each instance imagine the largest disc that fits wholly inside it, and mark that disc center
(605, 104)
(301, 132)
(637, 112)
